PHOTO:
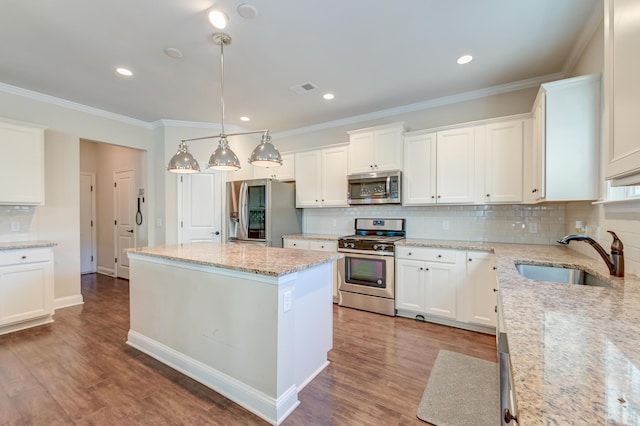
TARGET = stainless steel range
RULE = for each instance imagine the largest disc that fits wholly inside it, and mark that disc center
(367, 270)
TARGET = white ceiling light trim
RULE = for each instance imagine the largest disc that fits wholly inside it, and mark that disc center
(247, 11)
(328, 96)
(465, 59)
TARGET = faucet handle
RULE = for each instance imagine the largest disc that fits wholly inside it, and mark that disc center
(616, 245)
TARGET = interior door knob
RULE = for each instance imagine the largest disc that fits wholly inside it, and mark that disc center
(130, 231)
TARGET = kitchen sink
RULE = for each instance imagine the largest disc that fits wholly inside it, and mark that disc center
(558, 274)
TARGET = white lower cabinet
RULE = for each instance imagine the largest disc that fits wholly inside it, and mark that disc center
(444, 286)
(26, 288)
(320, 245)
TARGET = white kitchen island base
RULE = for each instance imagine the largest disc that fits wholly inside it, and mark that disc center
(256, 339)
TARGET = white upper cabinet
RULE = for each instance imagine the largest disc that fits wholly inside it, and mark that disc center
(455, 166)
(419, 177)
(321, 177)
(566, 141)
(503, 144)
(284, 172)
(622, 91)
(439, 167)
(376, 149)
(22, 163)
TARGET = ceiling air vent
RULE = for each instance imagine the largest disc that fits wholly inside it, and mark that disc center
(303, 88)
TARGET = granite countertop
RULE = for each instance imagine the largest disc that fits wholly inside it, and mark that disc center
(18, 245)
(254, 259)
(575, 350)
(313, 237)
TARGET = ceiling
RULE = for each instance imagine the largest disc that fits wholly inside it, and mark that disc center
(372, 54)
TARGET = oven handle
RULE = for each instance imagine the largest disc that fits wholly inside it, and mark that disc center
(366, 252)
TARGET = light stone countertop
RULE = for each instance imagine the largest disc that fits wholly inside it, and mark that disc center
(254, 259)
(19, 245)
(575, 350)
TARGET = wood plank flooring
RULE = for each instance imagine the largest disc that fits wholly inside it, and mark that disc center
(79, 371)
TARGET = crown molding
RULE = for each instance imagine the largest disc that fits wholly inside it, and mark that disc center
(432, 103)
(30, 94)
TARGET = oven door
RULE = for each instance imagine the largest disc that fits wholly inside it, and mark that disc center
(370, 274)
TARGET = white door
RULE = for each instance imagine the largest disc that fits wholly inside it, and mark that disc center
(200, 197)
(124, 204)
(88, 255)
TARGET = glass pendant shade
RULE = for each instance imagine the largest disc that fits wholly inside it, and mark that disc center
(183, 161)
(223, 158)
(265, 154)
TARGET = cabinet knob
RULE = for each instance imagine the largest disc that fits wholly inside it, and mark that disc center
(439, 256)
(426, 269)
(409, 254)
(438, 196)
(488, 195)
(494, 268)
(433, 196)
(495, 290)
(23, 257)
(421, 268)
(470, 259)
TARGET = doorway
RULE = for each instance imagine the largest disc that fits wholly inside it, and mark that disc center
(88, 246)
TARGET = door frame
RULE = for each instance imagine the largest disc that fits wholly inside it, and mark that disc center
(94, 219)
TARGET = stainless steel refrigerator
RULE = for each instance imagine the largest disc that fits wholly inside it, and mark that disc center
(261, 211)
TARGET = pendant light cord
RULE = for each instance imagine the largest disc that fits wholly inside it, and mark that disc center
(222, 41)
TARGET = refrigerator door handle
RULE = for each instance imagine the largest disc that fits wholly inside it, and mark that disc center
(243, 211)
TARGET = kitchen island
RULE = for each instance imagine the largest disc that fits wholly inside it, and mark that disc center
(253, 323)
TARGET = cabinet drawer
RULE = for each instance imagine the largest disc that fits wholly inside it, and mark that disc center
(296, 243)
(426, 253)
(17, 257)
(322, 245)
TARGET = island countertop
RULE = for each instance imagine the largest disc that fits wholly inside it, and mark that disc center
(254, 259)
(575, 350)
(20, 245)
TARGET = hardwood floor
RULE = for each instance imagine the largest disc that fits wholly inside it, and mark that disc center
(79, 370)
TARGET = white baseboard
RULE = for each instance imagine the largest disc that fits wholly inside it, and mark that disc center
(270, 409)
(106, 271)
(65, 302)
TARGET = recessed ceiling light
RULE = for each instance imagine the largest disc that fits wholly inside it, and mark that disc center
(465, 59)
(124, 71)
(244, 118)
(247, 11)
(218, 19)
(172, 52)
(328, 96)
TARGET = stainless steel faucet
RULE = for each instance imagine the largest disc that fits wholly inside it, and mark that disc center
(615, 261)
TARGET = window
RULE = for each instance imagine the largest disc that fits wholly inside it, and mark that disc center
(617, 193)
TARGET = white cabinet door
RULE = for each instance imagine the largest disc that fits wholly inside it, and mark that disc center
(477, 298)
(320, 245)
(622, 90)
(308, 171)
(455, 168)
(441, 282)
(361, 153)
(376, 149)
(200, 199)
(334, 177)
(410, 286)
(22, 163)
(419, 177)
(387, 148)
(535, 190)
(503, 162)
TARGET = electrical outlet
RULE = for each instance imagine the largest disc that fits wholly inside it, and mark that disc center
(533, 228)
(333, 223)
(15, 226)
(286, 301)
(445, 225)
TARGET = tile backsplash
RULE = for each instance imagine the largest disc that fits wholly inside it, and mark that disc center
(18, 223)
(530, 224)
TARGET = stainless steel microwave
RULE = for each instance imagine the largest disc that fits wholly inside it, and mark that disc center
(375, 188)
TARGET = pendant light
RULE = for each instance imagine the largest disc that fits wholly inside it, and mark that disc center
(223, 158)
(183, 161)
